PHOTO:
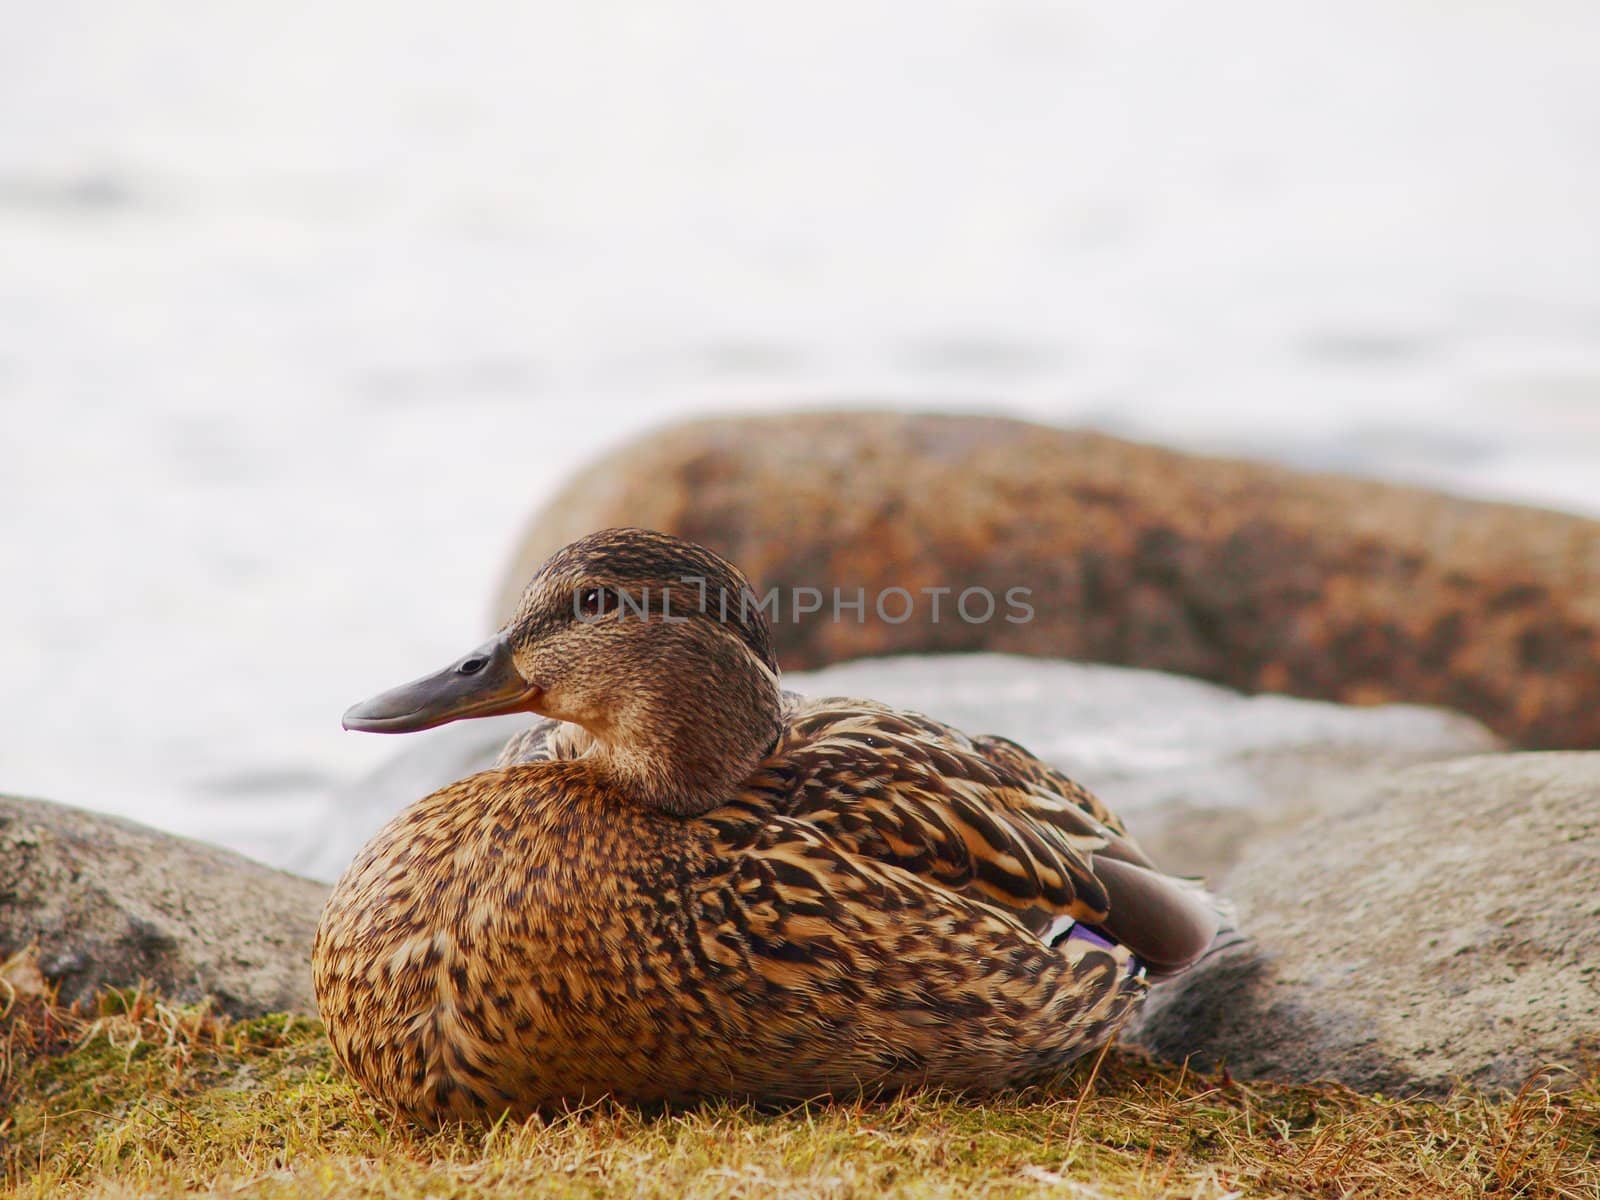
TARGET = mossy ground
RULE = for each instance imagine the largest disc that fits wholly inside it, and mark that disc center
(141, 1098)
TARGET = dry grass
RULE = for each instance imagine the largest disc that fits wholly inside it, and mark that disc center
(142, 1099)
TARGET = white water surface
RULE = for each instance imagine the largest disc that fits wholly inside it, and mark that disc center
(304, 307)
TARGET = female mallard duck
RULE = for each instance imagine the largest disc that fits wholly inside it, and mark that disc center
(689, 883)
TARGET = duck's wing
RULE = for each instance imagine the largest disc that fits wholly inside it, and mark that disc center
(546, 739)
(1036, 773)
(983, 818)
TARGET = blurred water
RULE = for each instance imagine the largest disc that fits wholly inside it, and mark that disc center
(303, 307)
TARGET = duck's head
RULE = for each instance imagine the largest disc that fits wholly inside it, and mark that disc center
(654, 645)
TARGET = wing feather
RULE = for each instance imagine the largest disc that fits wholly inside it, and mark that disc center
(983, 818)
(546, 739)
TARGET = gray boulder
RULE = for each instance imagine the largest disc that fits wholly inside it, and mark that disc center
(1446, 928)
(1197, 770)
(111, 902)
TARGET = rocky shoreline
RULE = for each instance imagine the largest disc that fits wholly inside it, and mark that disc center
(1422, 906)
(1441, 926)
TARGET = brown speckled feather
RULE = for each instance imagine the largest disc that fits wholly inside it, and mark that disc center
(738, 953)
(898, 788)
(543, 740)
(979, 816)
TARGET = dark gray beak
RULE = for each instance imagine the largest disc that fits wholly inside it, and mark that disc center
(483, 684)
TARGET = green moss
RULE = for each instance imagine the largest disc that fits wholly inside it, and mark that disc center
(145, 1099)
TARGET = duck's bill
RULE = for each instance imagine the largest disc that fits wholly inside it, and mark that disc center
(484, 683)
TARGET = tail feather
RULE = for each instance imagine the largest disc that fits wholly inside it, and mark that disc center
(1169, 923)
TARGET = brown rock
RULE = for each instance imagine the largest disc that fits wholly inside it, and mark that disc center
(1259, 577)
(112, 903)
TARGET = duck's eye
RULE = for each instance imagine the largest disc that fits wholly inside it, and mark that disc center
(592, 602)
(471, 666)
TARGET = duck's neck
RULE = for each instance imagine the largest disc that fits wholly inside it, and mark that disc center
(687, 752)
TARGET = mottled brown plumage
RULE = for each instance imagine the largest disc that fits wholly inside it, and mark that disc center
(687, 883)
